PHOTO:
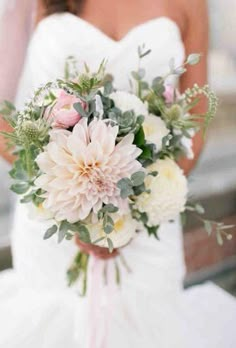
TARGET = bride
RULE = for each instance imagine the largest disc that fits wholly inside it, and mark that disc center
(150, 309)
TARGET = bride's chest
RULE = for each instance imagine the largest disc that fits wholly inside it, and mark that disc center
(60, 36)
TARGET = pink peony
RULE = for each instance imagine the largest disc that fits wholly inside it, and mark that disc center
(169, 94)
(63, 113)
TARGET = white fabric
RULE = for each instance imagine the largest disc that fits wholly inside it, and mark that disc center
(150, 309)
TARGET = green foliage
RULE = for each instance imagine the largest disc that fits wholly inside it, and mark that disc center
(78, 270)
(133, 186)
(219, 229)
(143, 217)
(50, 232)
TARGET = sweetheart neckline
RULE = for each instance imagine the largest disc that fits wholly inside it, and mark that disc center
(109, 38)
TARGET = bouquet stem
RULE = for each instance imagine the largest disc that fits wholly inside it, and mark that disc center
(79, 270)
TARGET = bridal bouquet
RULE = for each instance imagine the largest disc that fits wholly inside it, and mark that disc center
(100, 163)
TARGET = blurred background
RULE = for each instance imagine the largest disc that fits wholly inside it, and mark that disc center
(213, 182)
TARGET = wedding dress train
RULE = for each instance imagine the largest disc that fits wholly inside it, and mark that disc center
(150, 308)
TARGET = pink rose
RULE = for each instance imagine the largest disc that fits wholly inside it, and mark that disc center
(63, 113)
(169, 94)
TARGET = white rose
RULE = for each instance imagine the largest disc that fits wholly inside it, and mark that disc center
(168, 193)
(126, 101)
(124, 230)
(155, 130)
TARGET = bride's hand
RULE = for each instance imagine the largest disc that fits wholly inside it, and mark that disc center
(99, 252)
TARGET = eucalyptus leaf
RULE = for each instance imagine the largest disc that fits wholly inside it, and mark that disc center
(84, 234)
(110, 245)
(98, 240)
(219, 237)
(20, 188)
(143, 54)
(50, 232)
(125, 186)
(193, 58)
(110, 208)
(137, 178)
(63, 229)
(80, 110)
(208, 227)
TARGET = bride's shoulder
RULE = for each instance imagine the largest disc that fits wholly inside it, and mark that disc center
(52, 22)
(193, 7)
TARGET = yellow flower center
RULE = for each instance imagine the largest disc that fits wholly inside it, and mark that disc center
(119, 225)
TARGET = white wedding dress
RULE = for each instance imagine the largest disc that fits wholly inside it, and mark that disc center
(150, 309)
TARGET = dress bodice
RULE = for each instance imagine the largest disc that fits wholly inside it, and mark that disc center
(61, 35)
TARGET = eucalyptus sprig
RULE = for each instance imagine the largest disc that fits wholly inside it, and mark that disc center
(221, 230)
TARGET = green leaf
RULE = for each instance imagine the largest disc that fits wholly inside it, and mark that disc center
(153, 173)
(98, 240)
(138, 190)
(152, 231)
(27, 198)
(117, 269)
(20, 188)
(139, 138)
(125, 186)
(141, 217)
(199, 209)
(208, 227)
(84, 234)
(80, 110)
(219, 237)
(193, 58)
(137, 178)
(143, 54)
(147, 153)
(50, 232)
(140, 120)
(18, 172)
(108, 88)
(158, 85)
(110, 208)
(63, 229)
(108, 224)
(110, 245)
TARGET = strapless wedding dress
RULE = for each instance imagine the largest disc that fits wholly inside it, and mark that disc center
(150, 309)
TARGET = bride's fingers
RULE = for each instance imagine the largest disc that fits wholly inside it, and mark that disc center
(99, 252)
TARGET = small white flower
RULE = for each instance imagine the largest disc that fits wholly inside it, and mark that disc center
(126, 101)
(155, 130)
(168, 193)
(124, 231)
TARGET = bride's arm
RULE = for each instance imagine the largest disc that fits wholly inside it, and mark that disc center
(15, 26)
(196, 41)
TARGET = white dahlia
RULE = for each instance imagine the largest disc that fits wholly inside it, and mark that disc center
(155, 130)
(126, 101)
(81, 169)
(168, 192)
(124, 230)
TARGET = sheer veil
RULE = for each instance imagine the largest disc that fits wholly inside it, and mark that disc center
(16, 24)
